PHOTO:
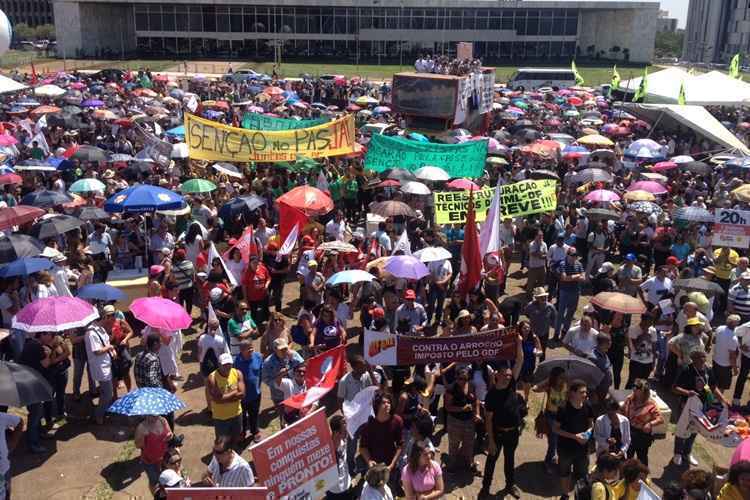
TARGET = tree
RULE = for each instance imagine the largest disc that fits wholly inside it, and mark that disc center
(24, 31)
(669, 44)
(626, 54)
(45, 32)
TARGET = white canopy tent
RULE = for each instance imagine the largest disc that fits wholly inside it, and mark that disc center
(659, 83)
(8, 85)
(709, 89)
(696, 118)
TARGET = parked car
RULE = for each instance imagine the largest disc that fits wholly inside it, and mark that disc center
(243, 75)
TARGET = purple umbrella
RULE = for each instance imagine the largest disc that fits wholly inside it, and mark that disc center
(602, 195)
(92, 103)
(407, 267)
(55, 314)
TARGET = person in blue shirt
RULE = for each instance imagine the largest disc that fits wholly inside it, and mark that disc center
(280, 362)
(571, 276)
(250, 363)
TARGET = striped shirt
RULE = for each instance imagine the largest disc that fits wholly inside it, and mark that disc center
(237, 475)
(739, 297)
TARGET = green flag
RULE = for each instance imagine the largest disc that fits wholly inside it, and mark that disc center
(615, 79)
(681, 99)
(579, 78)
(640, 93)
(734, 66)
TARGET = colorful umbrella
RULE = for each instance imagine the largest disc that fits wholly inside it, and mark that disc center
(87, 186)
(147, 401)
(197, 186)
(350, 276)
(429, 173)
(101, 291)
(18, 215)
(664, 166)
(602, 195)
(693, 214)
(55, 314)
(407, 267)
(650, 186)
(366, 101)
(638, 195)
(619, 302)
(144, 198)
(25, 266)
(595, 140)
(161, 313)
(310, 200)
(464, 184)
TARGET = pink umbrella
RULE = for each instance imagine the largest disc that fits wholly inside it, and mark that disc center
(602, 195)
(77, 85)
(465, 184)
(160, 313)
(256, 109)
(7, 140)
(664, 165)
(652, 187)
(55, 314)
(742, 452)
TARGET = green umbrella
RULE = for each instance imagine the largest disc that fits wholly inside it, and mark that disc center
(87, 186)
(306, 163)
(198, 186)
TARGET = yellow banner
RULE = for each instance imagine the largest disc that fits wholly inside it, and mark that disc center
(520, 198)
(212, 141)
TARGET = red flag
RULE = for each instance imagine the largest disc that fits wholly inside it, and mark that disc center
(34, 77)
(288, 218)
(246, 244)
(323, 371)
(471, 260)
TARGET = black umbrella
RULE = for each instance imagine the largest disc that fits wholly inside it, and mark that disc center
(54, 226)
(697, 167)
(16, 246)
(93, 213)
(524, 123)
(709, 288)
(240, 205)
(63, 120)
(22, 386)
(575, 368)
(90, 153)
(593, 175)
(46, 199)
(544, 174)
(528, 134)
(72, 110)
(602, 213)
(399, 174)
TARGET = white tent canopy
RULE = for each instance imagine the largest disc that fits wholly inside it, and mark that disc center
(659, 83)
(709, 89)
(696, 118)
(8, 85)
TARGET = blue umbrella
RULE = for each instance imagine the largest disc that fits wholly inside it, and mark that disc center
(416, 136)
(25, 266)
(45, 199)
(144, 198)
(147, 401)
(101, 291)
(177, 131)
(61, 163)
(350, 276)
(6, 169)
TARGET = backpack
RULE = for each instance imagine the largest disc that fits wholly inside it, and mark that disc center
(582, 489)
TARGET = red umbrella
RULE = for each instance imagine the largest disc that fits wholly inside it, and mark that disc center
(554, 122)
(353, 107)
(7, 140)
(744, 125)
(124, 122)
(389, 183)
(464, 184)
(10, 179)
(274, 91)
(664, 165)
(19, 215)
(71, 151)
(575, 101)
(310, 200)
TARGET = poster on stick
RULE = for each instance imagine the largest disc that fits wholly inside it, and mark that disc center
(299, 461)
(386, 349)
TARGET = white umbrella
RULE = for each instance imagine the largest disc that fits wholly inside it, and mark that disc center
(682, 159)
(180, 151)
(429, 173)
(432, 254)
(228, 169)
(49, 91)
(414, 187)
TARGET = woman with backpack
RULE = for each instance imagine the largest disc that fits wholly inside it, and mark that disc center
(599, 485)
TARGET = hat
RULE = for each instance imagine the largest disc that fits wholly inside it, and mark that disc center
(540, 292)
(202, 275)
(169, 478)
(463, 313)
(377, 313)
(734, 317)
(163, 181)
(225, 359)
(180, 253)
(58, 257)
(709, 270)
(215, 294)
(672, 260)
(410, 295)
(166, 251)
(693, 321)
(607, 267)
(312, 263)
(745, 275)
(108, 309)
(155, 269)
(280, 343)
(631, 257)
(108, 174)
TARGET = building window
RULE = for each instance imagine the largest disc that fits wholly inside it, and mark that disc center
(196, 18)
(154, 18)
(222, 19)
(168, 18)
(235, 19)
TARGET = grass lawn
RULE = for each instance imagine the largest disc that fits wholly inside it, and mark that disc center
(15, 58)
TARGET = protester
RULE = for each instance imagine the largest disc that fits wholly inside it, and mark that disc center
(152, 436)
(643, 414)
(376, 484)
(227, 469)
(12, 430)
(100, 354)
(737, 486)
(422, 477)
(250, 365)
(381, 438)
(463, 409)
(226, 387)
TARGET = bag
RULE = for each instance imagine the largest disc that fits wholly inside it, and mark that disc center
(209, 363)
(582, 489)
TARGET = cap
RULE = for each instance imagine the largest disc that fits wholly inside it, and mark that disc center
(693, 321)
(734, 317)
(180, 253)
(168, 478)
(202, 275)
(745, 275)
(377, 313)
(59, 257)
(463, 313)
(540, 292)
(108, 309)
(672, 260)
(312, 263)
(215, 294)
(631, 257)
(225, 359)
(410, 295)
(280, 343)
(155, 269)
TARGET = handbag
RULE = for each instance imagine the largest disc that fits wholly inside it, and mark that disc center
(541, 425)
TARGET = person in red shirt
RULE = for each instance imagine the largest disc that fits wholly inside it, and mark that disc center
(255, 283)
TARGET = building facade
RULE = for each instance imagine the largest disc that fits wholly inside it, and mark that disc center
(31, 12)
(357, 30)
(666, 23)
(717, 30)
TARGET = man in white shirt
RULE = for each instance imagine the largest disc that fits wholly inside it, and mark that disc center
(441, 272)
(642, 339)
(555, 256)
(99, 354)
(725, 353)
(537, 273)
(61, 275)
(656, 287)
(15, 425)
(581, 340)
(227, 469)
(337, 228)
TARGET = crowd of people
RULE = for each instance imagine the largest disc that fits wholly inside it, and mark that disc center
(255, 333)
(443, 65)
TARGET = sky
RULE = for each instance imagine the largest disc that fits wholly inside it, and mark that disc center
(676, 8)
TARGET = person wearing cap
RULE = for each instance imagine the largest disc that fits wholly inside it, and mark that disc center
(571, 276)
(313, 283)
(250, 364)
(100, 353)
(280, 362)
(542, 316)
(603, 279)
(62, 275)
(738, 299)
(292, 385)
(692, 338)
(172, 475)
(698, 261)
(255, 283)
(629, 276)
(726, 346)
(655, 288)
(411, 313)
(226, 388)
(120, 334)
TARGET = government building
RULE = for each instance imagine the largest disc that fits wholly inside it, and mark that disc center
(353, 31)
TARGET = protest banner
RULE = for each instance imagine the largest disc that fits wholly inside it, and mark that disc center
(299, 461)
(158, 150)
(459, 160)
(213, 141)
(521, 198)
(386, 349)
(731, 228)
(259, 493)
(257, 121)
